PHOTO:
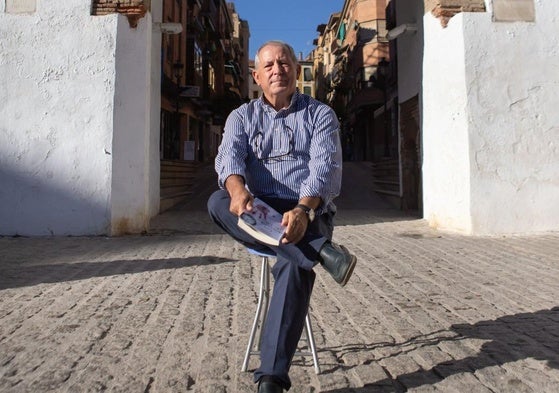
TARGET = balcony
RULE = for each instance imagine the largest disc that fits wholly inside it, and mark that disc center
(194, 25)
(372, 31)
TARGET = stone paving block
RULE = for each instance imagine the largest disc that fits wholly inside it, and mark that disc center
(369, 373)
(428, 355)
(332, 381)
(462, 382)
(498, 379)
(533, 373)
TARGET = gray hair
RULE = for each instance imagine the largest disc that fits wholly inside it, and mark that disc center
(288, 48)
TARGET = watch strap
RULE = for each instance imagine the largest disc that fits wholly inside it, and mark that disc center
(307, 211)
(304, 208)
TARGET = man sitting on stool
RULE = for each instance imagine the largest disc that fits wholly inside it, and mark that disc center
(284, 148)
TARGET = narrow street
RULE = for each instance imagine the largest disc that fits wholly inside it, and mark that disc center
(357, 203)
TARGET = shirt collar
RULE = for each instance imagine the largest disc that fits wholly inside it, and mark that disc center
(267, 107)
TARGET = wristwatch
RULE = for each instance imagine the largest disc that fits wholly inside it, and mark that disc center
(309, 211)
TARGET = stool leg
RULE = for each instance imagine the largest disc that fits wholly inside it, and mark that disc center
(260, 318)
(312, 346)
(262, 300)
(265, 293)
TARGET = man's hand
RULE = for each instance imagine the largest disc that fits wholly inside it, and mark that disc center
(241, 199)
(240, 202)
(296, 221)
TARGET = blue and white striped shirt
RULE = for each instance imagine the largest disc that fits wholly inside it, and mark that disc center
(287, 154)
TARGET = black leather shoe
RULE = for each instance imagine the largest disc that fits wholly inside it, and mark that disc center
(269, 385)
(337, 261)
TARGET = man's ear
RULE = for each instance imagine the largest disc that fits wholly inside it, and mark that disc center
(256, 77)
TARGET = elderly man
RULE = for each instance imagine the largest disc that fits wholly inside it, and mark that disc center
(283, 148)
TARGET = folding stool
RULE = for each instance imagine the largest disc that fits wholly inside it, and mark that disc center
(253, 348)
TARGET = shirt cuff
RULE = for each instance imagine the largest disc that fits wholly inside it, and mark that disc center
(226, 172)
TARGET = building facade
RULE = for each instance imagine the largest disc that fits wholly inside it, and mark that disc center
(324, 57)
(254, 91)
(357, 84)
(204, 77)
(355, 75)
(306, 82)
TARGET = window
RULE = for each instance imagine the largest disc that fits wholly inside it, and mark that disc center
(211, 77)
(341, 32)
(307, 74)
(307, 90)
(198, 60)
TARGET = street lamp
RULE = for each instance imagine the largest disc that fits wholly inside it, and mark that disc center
(177, 73)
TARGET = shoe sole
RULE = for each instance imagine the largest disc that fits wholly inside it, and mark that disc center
(349, 270)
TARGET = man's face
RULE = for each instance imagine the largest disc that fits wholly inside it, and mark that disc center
(276, 73)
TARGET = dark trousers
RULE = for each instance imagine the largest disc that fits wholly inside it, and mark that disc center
(293, 282)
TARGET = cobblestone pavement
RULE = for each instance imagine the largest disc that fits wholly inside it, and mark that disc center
(170, 311)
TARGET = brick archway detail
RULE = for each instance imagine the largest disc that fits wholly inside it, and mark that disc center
(446, 9)
(134, 10)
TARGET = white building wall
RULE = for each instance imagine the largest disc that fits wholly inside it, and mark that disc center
(446, 185)
(491, 127)
(60, 101)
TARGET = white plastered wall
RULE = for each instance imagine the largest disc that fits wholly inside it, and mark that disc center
(67, 133)
(491, 128)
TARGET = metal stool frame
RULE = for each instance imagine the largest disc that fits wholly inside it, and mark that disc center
(262, 312)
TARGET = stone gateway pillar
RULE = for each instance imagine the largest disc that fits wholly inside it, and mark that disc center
(79, 117)
(490, 120)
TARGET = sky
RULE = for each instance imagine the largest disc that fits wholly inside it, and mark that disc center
(292, 21)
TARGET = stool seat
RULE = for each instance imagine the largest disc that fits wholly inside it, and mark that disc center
(269, 254)
(262, 311)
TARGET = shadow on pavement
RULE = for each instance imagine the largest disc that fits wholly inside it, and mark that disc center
(22, 276)
(509, 339)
